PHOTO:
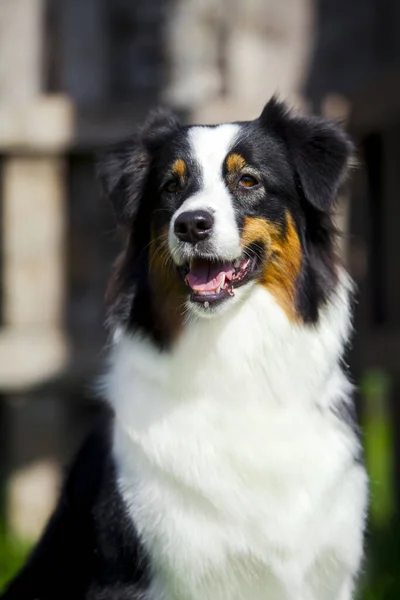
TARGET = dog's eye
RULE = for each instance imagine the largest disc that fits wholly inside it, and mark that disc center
(172, 186)
(248, 181)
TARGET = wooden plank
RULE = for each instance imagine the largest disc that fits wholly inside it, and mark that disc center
(32, 196)
(21, 49)
(33, 222)
(54, 124)
(29, 357)
(45, 125)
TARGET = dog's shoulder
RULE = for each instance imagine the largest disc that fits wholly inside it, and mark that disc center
(113, 558)
(90, 467)
(89, 544)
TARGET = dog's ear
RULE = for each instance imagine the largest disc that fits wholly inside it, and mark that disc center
(115, 167)
(124, 167)
(319, 150)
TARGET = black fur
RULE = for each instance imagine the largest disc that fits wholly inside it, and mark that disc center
(318, 150)
(90, 550)
(302, 162)
(124, 168)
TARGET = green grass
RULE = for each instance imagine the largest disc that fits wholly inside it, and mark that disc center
(13, 553)
(378, 445)
(382, 569)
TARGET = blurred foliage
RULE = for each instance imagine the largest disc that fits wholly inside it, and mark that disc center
(13, 553)
(381, 578)
(382, 569)
(378, 442)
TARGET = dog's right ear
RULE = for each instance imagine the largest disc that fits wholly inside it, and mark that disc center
(115, 167)
(124, 167)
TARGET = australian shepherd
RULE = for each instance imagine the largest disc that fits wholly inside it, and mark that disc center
(230, 467)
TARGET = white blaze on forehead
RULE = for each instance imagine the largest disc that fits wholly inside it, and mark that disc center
(209, 148)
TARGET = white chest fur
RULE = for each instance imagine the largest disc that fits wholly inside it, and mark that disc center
(238, 476)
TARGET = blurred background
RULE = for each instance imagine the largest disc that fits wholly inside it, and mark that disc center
(78, 74)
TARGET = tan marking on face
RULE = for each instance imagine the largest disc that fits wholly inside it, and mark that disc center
(169, 291)
(179, 168)
(235, 162)
(283, 259)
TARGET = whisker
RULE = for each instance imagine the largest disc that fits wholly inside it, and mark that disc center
(162, 237)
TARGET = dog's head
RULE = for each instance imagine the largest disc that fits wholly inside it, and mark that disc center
(212, 211)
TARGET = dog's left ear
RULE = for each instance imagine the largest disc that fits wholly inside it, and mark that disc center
(319, 150)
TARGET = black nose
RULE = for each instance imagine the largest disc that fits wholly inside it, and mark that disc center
(193, 226)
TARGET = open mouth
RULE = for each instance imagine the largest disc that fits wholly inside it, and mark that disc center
(212, 281)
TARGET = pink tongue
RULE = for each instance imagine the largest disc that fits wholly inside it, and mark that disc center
(208, 277)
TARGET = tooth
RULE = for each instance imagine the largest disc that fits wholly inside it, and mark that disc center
(236, 263)
(206, 304)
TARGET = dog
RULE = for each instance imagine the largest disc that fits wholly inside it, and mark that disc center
(230, 467)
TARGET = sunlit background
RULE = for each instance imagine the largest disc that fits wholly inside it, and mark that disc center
(78, 74)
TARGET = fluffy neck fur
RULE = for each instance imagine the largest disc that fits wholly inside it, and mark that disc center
(224, 354)
(229, 453)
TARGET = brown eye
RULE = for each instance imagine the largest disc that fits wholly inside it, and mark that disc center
(172, 186)
(248, 181)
